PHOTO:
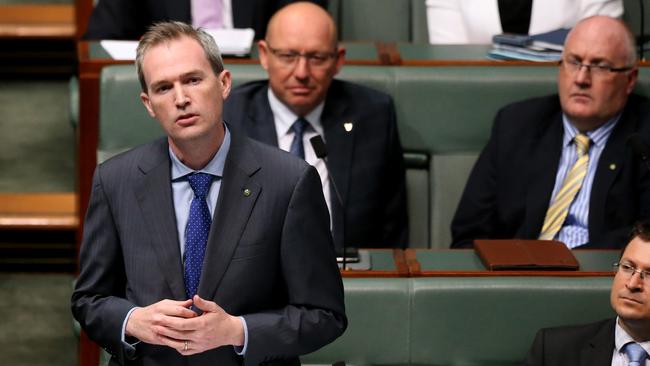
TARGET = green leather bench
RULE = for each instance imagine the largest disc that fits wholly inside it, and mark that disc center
(444, 114)
(491, 321)
(457, 321)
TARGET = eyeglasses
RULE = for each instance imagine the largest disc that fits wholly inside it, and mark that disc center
(629, 270)
(574, 66)
(289, 58)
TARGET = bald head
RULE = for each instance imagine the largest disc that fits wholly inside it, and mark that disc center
(301, 55)
(302, 19)
(598, 71)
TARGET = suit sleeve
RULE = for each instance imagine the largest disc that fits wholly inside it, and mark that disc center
(315, 313)
(395, 222)
(98, 300)
(115, 19)
(476, 214)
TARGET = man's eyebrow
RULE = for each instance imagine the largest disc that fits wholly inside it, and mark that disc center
(158, 83)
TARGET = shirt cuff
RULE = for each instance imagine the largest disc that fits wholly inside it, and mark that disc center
(128, 346)
(241, 351)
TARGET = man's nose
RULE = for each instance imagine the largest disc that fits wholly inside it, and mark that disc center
(635, 281)
(583, 75)
(301, 70)
(180, 97)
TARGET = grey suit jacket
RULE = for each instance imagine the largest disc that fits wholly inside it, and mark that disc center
(269, 256)
(581, 345)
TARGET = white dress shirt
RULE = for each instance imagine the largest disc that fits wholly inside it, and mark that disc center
(284, 119)
(621, 338)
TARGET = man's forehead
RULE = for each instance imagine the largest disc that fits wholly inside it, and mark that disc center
(638, 252)
(597, 41)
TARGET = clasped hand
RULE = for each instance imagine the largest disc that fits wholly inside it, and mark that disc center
(172, 323)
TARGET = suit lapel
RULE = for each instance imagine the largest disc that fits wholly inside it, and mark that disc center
(545, 162)
(339, 140)
(260, 124)
(609, 165)
(598, 350)
(237, 197)
(154, 195)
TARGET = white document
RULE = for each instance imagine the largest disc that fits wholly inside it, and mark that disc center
(236, 42)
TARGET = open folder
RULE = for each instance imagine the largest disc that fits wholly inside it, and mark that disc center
(515, 254)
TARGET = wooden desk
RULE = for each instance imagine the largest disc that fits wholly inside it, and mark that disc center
(384, 263)
(37, 21)
(465, 263)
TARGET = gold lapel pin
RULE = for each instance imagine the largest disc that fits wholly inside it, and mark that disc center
(348, 126)
(247, 192)
(612, 166)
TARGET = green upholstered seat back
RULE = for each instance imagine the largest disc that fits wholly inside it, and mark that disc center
(447, 112)
(375, 20)
(378, 329)
(419, 30)
(491, 321)
(124, 121)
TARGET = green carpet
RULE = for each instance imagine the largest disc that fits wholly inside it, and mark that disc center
(37, 324)
(37, 142)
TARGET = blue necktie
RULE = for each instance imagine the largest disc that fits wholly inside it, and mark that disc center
(636, 354)
(298, 128)
(196, 231)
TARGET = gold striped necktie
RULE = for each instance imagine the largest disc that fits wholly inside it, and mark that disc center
(559, 209)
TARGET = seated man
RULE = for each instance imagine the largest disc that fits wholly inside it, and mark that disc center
(129, 19)
(558, 167)
(618, 341)
(301, 100)
(204, 247)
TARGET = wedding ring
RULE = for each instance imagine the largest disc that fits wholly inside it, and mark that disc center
(185, 348)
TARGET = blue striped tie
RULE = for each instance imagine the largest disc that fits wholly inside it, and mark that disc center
(635, 353)
(297, 148)
(196, 231)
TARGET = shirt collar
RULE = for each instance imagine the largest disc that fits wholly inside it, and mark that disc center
(214, 166)
(284, 117)
(621, 338)
(598, 136)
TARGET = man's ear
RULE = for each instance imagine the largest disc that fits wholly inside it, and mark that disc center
(263, 51)
(144, 97)
(226, 83)
(631, 80)
(340, 58)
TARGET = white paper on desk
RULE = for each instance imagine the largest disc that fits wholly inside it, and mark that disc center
(120, 50)
(237, 42)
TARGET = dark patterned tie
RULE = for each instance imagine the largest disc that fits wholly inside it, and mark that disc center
(635, 353)
(297, 148)
(196, 231)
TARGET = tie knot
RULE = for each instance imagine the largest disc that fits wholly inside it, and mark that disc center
(200, 183)
(582, 143)
(635, 353)
(299, 126)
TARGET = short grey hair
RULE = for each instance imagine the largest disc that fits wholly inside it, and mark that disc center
(164, 32)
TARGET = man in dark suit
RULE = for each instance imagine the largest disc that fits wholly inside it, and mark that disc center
(608, 342)
(302, 56)
(558, 167)
(129, 19)
(205, 247)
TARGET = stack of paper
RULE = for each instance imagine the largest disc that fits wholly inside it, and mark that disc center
(539, 47)
(231, 42)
